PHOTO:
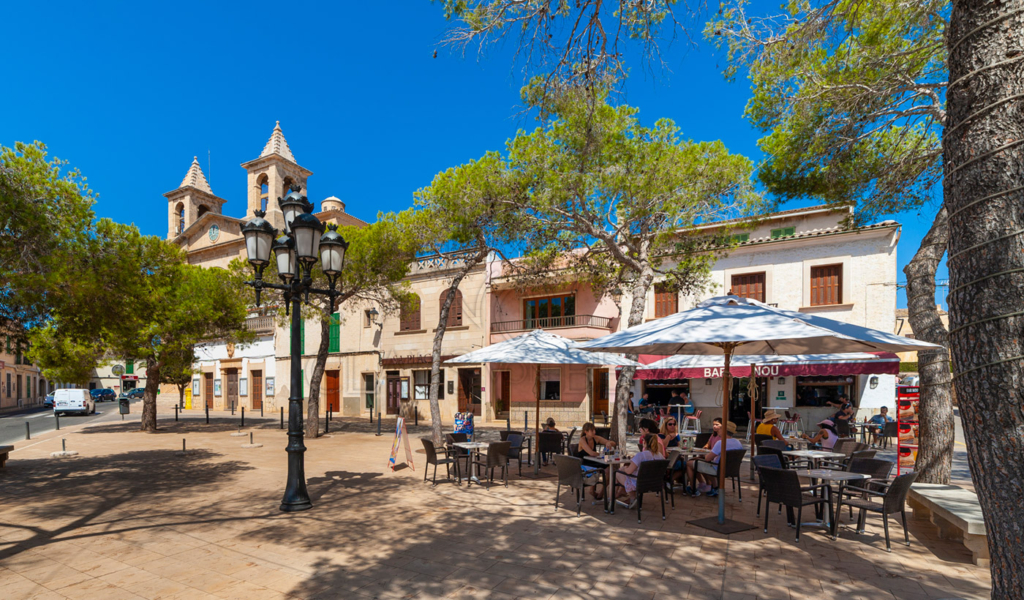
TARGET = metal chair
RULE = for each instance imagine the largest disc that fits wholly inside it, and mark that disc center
(692, 422)
(604, 415)
(515, 450)
(701, 439)
(772, 461)
(457, 454)
(893, 501)
(782, 487)
(570, 473)
(497, 458)
(432, 459)
(650, 478)
(790, 424)
(733, 459)
(550, 442)
(889, 431)
(568, 438)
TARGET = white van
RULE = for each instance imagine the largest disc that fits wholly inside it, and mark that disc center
(73, 401)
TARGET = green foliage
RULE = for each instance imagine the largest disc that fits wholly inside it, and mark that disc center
(62, 358)
(908, 367)
(850, 95)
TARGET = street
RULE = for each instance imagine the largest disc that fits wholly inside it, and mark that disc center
(41, 420)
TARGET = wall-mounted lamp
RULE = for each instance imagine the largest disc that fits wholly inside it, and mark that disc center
(873, 381)
(707, 382)
(782, 381)
(373, 315)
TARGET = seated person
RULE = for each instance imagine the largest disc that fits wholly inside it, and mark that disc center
(770, 426)
(826, 436)
(707, 469)
(716, 433)
(878, 425)
(669, 433)
(549, 427)
(691, 465)
(646, 404)
(646, 426)
(588, 448)
(654, 451)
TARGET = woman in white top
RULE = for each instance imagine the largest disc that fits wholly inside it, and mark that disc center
(827, 435)
(653, 450)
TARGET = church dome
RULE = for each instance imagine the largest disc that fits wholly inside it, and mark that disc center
(332, 203)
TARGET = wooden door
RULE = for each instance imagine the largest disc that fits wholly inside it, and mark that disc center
(208, 389)
(333, 391)
(256, 393)
(469, 391)
(600, 387)
(394, 394)
(232, 398)
(503, 392)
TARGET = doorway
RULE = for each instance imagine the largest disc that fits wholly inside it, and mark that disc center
(502, 392)
(739, 405)
(208, 389)
(232, 377)
(600, 388)
(333, 391)
(469, 391)
(257, 390)
(394, 395)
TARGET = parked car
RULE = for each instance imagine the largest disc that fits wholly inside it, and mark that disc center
(103, 394)
(67, 401)
(136, 393)
(48, 401)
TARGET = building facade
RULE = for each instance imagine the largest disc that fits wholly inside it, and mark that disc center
(21, 384)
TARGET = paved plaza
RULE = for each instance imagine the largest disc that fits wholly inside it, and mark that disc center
(133, 517)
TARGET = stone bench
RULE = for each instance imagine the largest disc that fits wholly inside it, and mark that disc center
(4, 451)
(957, 514)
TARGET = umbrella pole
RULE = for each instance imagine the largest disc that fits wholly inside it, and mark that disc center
(536, 428)
(752, 390)
(726, 380)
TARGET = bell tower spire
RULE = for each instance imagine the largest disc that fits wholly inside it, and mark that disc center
(271, 175)
(191, 200)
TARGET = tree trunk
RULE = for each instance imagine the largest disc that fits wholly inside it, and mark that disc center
(150, 394)
(625, 380)
(313, 404)
(935, 452)
(181, 394)
(435, 353)
(983, 157)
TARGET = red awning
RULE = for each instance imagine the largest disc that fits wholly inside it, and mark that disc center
(711, 367)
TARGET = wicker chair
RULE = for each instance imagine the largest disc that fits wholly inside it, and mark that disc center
(570, 473)
(432, 459)
(701, 439)
(879, 471)
(650, 479)
(869, 453)
(457, 454)
(760, 438)
(893, 501)
(772, 461)
(503, 435)
(568, 438)
(783, 487)
(733, 460)
(496, 458)
(550, 442)
(515, 450)
(787, 463)
(889, 431)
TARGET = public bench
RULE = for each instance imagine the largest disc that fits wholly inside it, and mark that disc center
(957, 514)
(4, 451)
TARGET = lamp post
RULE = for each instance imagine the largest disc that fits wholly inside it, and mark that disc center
(295, 252)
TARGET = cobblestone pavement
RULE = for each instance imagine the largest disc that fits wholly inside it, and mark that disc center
(131, 517)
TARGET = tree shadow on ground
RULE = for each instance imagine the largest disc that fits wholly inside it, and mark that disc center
(79, 496)
(216, 425)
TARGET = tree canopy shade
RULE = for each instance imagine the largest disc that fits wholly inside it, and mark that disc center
(616, 204)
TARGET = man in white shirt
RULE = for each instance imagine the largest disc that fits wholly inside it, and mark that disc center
(707, 469)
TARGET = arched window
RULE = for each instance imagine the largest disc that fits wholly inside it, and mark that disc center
(410, 315)
(264, 192)
(455, 311)
(287, 187)
(202, 211)
(181, 217)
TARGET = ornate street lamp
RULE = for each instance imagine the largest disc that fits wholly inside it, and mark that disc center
(295, 253)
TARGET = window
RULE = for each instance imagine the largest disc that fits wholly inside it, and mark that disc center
(550, 384)
(783, 232)
(8, 385)
(455, 311)
(367, 318)
(421, 385)
(826, 285)
(739, 238)
(334, 330)
(552, 311)
(666, 300)
(410, 315)
(129, 367)
(368, 389)
(264, 192)
(748, 285)
(181, 218)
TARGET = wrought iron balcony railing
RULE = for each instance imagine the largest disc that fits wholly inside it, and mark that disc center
(551, 323)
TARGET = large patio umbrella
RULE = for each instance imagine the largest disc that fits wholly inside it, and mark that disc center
(729, 325)
(539, 347)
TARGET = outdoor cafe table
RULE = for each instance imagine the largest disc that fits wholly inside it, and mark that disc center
(679, 418)
(611, 462)
(831, 476)
(472, 447)
(815, 456)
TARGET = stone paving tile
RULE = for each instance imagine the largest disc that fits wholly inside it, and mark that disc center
(207, 526)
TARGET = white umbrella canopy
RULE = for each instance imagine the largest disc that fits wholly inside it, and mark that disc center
(728, 325)
(539, 347)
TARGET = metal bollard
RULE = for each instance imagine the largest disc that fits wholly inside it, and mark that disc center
(261, 408)
(243, 416)
(282, 417)
(371, 416)
(232, 409)
(56, 418)
(250, 438)
(526, 421)
(378, 423)
(175, 413)
(416, 414)
(28, 431)
(207, 414)
(182, 444)
(508, 422)
(327, 423)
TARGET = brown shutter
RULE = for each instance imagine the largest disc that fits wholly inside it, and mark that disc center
(665, 301)
(410, 318)
(749, 285)
(455, 311)
(826, 285)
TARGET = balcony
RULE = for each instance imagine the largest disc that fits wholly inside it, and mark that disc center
(578, 326)
(264, 324)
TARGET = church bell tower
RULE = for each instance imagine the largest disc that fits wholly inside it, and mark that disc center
(271, 175)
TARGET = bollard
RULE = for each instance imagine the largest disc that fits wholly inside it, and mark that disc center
(330, 414)
(416, 415)
(371, 416)
(250, 438)
(28, 432)
(261, 408)
(526, 421)
(56, 418)
(378, 423)
(63, 445)
(207, 414)
(282, 417)
(243, 416)
(232, 409)
(327, 423)
(182, 444)
(175, 413)
(508, 422)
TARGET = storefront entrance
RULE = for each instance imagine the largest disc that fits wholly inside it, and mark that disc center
(394, 392)
(739, 406)
(333, 391)
(469, 391)
(256, 393)
(208, 389)
(231, 375)
(600, 388)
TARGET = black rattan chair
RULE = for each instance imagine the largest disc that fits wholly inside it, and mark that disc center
(760, 438)
(568, 438)
(650, 478)
(570, 473)
(893, 501)
(549, 442)
(782, 487)
(733, 460)
(516, 450)
(496, 458)
(701, 439)
(503, 435)
(432, 459)
(772, 461)
(457, 454)
(876, 468)
(889, 431)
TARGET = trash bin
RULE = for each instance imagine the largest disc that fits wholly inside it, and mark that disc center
(123, 405)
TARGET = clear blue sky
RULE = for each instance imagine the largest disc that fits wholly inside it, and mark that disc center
(130, 92)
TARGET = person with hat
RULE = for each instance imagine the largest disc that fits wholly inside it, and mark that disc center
(770, 426)
(826, 436)
(707, 468)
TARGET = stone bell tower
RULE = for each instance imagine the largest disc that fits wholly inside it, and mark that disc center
(271, 175)
(191, 200)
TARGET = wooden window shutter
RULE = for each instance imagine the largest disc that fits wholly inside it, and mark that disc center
(410, 318)
(665, 301)
(129, 367)
(334, 330)
(455, 311)
(826, 285)
(749, 285)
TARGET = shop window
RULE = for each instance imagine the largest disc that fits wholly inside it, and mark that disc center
(822, 389)
(826, 285)
(666, 300)
(749, 285)
(421, 385)
(410, 315)
(369, 389)
(455, 311)
(550, 384)
(551, 311)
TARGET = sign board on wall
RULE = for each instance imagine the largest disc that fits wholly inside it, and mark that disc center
(216, 387)
(195, 387)
(243, 386)
(270, 386)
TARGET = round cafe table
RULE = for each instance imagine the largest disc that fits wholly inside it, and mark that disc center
(832, 477)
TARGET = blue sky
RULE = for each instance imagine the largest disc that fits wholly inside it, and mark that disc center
(130, 92)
